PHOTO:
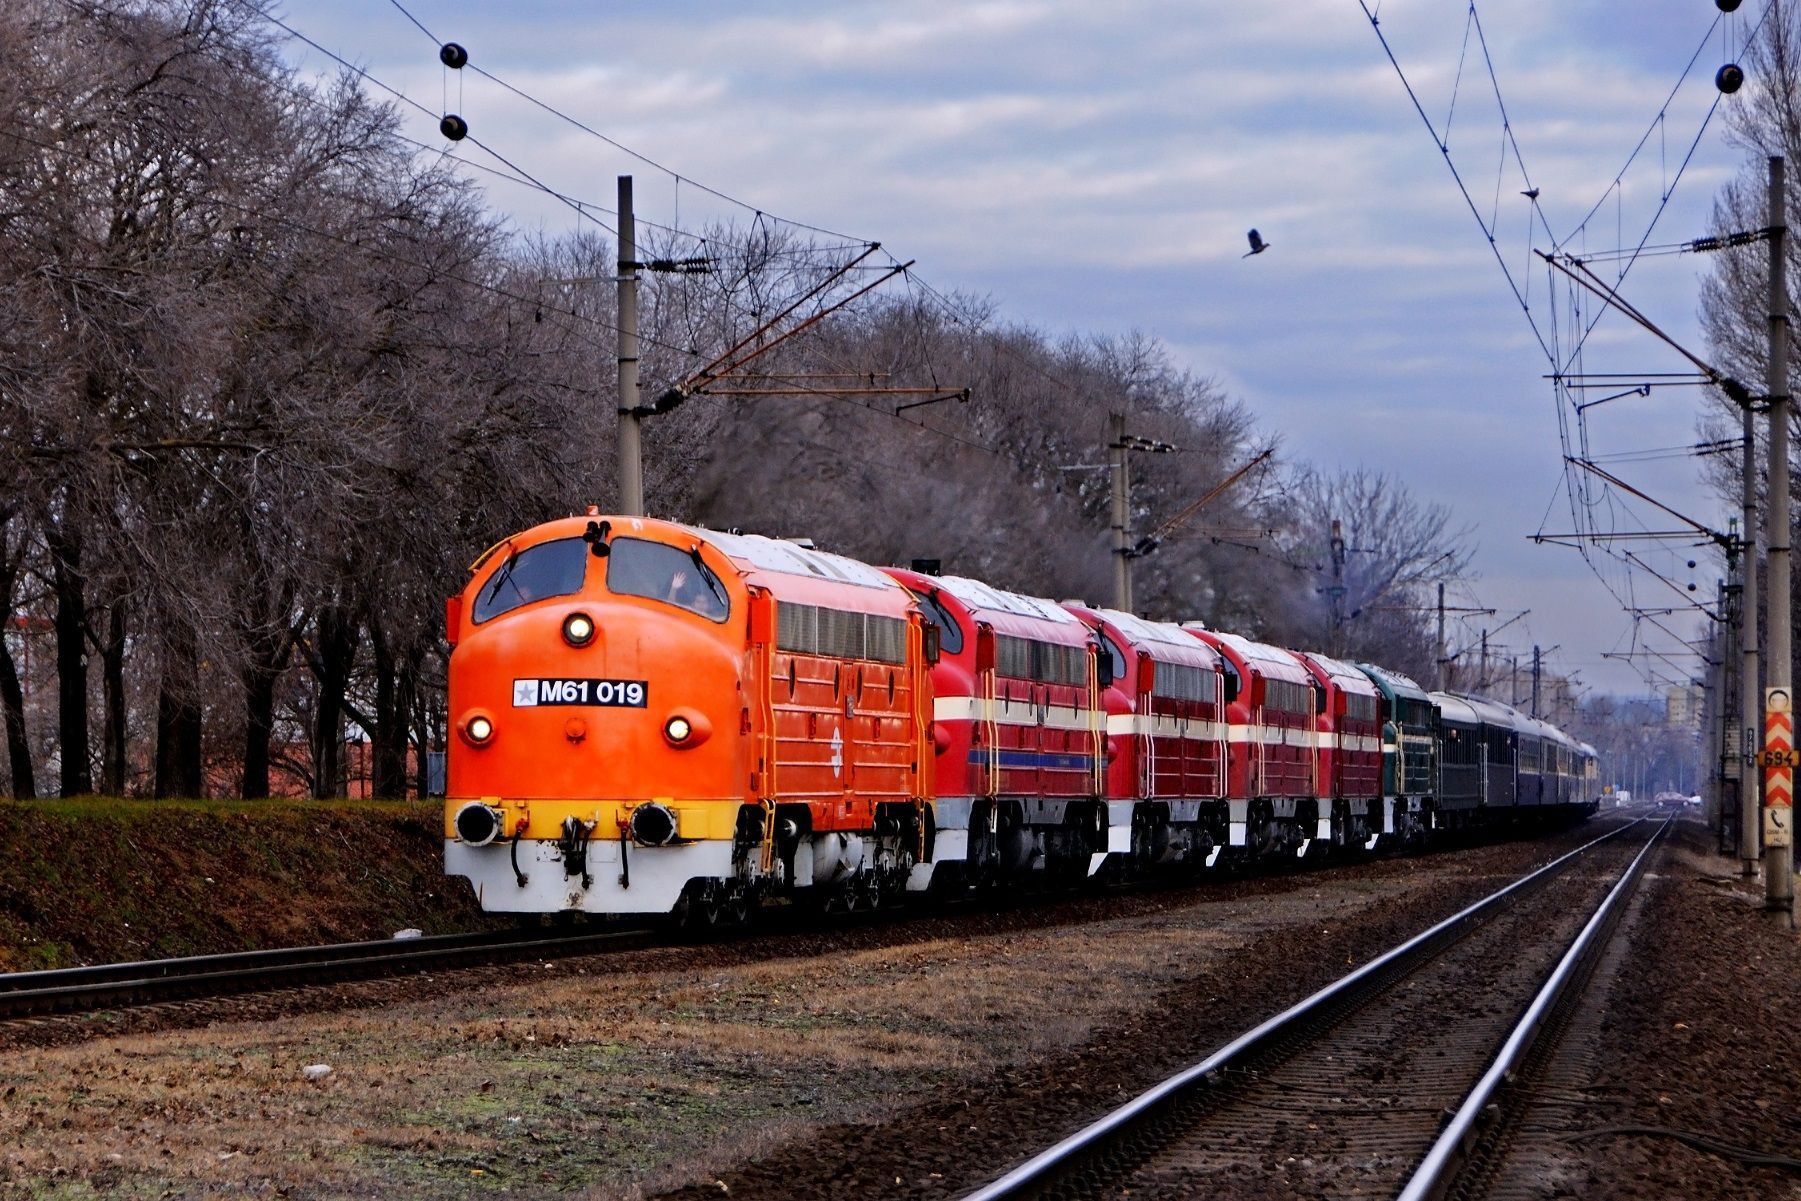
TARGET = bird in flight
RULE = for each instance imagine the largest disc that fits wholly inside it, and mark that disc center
(1258, 245)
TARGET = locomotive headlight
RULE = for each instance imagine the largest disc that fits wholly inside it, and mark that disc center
(478, 729)
(578, 629)
(686, 728)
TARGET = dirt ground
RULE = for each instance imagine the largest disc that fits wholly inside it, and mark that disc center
(103, 879)
(1695, 1051)
(806, 1064)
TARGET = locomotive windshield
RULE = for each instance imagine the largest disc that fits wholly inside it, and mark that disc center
(547, 569)
(666, 573)
(950, 634)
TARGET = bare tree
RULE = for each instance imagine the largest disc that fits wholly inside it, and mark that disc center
(1370, 595)
(1734, 297)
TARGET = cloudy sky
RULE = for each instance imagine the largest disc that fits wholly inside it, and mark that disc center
(1094, 167)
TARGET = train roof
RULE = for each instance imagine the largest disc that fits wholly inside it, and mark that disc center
(1342, 675)
(1163, 640)
(1261, 657)
(1494, 713)
(755, 552)
(1393, 684)
(1452, 707)
(976, 595)
(1006, 612)
(1558, 736)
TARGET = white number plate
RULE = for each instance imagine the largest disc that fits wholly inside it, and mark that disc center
(619, 694)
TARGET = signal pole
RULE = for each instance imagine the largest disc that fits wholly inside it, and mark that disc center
(1778, 715)
(1439, 682)
(1535, 678)
(1336, 545)
(631, 422)
(1122, 497)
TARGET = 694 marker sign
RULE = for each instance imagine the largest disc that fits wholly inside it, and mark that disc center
(614, 694)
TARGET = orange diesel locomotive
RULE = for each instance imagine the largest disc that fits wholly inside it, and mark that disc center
(651, 719)
(708, 717)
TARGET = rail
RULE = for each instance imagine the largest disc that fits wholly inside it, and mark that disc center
(147, 982)
(1068, 1158)
(1441, 1163)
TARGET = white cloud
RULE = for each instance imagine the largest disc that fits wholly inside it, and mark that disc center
(1095, 167)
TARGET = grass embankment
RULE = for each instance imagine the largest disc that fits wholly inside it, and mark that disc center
(95, 879)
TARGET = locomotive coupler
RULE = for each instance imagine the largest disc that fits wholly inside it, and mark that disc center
(513, 852)
(573, 843)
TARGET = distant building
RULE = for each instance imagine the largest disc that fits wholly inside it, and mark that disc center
(1682, 706)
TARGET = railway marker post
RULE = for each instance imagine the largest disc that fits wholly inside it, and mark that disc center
(1779, 769)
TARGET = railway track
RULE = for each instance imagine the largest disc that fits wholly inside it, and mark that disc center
(121, 985)
(1392, 1080)
(109, 986)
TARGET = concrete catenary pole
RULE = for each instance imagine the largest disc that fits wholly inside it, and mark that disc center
(1778, 865)
(631, 446)
(1718, 669)
(1122, 532)
(1535, 679)
(1750, 697)
(1438, 675)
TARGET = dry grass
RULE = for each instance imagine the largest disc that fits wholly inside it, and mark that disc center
(607, 1085)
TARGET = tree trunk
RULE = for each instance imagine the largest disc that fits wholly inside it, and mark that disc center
(337, 652)
(422, 740)
(178, 718)
(112, 674)
(259, 725)
(388, 740)
(18, 746)
(71, 661)
(269, 647)
(12, 696)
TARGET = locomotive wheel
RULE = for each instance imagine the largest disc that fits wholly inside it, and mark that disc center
(739, 907)
(698, 911)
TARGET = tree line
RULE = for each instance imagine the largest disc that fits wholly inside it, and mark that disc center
(272, 375)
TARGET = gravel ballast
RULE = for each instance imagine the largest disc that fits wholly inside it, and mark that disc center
(913, 1058)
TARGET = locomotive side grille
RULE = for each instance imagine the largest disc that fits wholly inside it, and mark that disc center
(1178, 681)
(798, 628)
(840, 633)
(1013, 657)
(837, 634)
(1065, 664)
(1286, 696)
(886, 638)
(1026, 659)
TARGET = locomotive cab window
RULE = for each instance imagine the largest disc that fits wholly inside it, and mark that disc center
(668, 574)
(533, 574)
(950, 634)
(1115, 660)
